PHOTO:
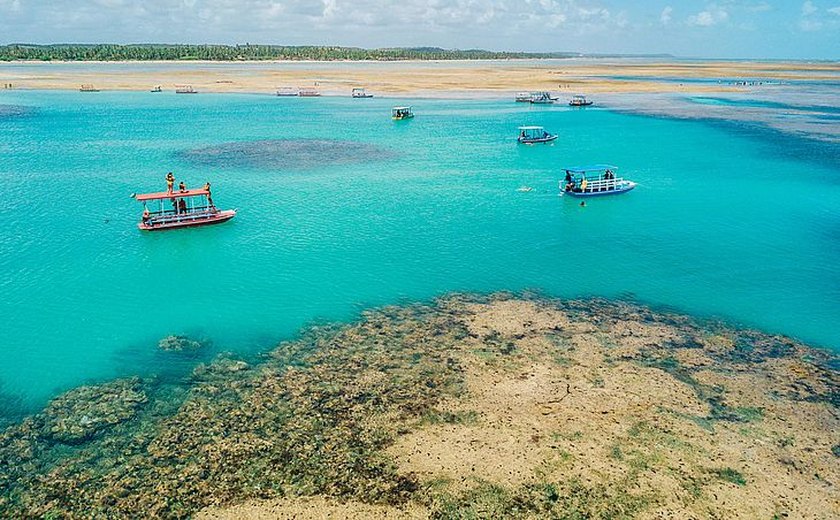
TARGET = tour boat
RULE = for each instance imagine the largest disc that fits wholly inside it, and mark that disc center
(523, 97)
(185, 89)
(542, 98)
(287, 92)
(534, 134)
(400, 113)
(309, 92)
(88, 88)
(358, 93)
(579, 100)
(189, 208)
(593, 181)
(156, 89)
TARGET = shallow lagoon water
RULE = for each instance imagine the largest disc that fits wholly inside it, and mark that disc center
(723, 223)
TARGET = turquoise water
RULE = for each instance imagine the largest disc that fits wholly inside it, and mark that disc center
(723, 223)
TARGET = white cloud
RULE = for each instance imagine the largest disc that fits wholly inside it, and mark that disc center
(713, 15)
(665, 17)
(11, 5)
(835, 10)
(762, 7)
(808, 8)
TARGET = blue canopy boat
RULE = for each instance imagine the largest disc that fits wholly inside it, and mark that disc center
(401, 113)
(534, 134)
(593, 181)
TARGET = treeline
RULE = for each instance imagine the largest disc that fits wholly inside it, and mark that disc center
(147, 52)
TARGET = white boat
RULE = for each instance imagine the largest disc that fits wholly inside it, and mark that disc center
(185, 89)
(534, 135)
(542, 98)
(359, 93)
(309, 92)
(287, 91)
(579, 100)
(523, 97)
(594, 181)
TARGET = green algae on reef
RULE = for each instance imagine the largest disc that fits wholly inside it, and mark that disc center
(374, 412)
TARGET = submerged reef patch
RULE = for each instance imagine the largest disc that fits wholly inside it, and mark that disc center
(179, 343)
(81, 413)
(15, 110)
(473, 407)
(286, 154)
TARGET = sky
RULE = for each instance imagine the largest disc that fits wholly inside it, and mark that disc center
(807, 29)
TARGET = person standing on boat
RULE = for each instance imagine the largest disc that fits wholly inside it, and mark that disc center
(182, 206)
(170, 182)
(209, 197)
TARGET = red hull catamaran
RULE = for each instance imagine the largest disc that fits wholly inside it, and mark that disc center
(190, 208)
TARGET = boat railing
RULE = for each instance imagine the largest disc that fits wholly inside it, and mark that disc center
(168, 217)
(603, 184)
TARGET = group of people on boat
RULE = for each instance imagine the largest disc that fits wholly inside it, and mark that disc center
(189, 207)
(182, 187)
(179, 204)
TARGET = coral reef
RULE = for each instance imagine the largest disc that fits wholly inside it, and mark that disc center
(294, 154)
(473, 407)
(83, 412)
(178, 343)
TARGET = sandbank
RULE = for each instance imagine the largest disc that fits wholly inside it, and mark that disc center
(418, 78)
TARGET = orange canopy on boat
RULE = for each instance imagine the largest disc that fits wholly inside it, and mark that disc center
(172, 194)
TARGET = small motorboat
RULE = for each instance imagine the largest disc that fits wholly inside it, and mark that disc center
(593, 181)
(523, 97)
(360, 93)
(309, 92)
(88, 88)
(185, 89)
(534, 135)
(401, 113)
(190, 208)
(156, 89)
(579, 100)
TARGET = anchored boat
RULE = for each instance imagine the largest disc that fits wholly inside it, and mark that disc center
(594, 180)
(534, 135)
(309, 92)
(579, 100)
(287, 91)
(185, 89)
(542, 98)
(400, 113)
(188, 208)
(359, 93)
(523, 97)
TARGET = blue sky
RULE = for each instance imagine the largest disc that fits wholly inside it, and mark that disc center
(723, 28)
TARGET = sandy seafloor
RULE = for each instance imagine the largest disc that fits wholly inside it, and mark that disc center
(473, 406)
